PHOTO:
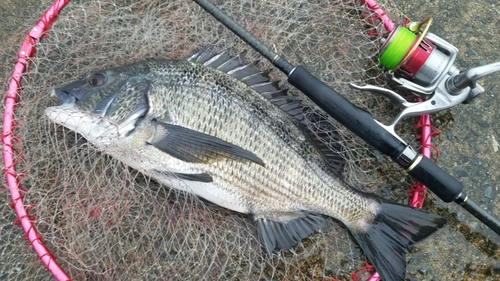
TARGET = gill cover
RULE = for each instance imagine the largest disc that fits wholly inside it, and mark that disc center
(104, 105)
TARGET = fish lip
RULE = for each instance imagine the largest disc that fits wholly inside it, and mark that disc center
(63, 96)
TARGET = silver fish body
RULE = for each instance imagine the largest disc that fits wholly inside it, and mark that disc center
(216, 133)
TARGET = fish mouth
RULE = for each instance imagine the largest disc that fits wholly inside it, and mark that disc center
(64, 97)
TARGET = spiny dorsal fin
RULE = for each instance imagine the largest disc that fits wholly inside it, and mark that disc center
(218, 60)
(237, 67)
(249, 73)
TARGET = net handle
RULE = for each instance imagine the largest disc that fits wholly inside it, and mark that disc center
(14, 90)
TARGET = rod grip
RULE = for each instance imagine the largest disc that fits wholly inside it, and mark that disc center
(438, 181)
(354, 118)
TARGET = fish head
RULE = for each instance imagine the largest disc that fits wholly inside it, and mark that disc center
(86, 92)
(103, 105)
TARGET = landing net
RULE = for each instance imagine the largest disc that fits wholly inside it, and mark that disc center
(91, 218)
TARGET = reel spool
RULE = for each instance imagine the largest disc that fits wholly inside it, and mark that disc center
(416, 58)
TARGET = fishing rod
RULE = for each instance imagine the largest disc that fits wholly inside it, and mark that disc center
(410, 69)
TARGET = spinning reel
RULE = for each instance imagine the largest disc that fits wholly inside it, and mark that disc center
(420, 63)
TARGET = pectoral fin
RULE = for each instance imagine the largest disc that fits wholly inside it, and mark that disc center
(196, 147)
(201, 177)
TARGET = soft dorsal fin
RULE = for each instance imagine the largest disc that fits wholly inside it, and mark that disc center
(334, 154)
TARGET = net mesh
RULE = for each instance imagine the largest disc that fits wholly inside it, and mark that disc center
(105, 221)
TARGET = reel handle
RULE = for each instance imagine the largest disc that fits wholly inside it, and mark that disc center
(459, 82)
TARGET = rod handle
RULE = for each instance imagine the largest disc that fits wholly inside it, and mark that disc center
(359, 121)
(436, 179)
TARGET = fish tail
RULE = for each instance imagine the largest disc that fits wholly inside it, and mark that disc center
(392, 231)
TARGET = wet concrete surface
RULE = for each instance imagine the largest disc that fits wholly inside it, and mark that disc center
(469, 142)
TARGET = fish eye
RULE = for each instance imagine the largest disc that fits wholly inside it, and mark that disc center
(97, 79)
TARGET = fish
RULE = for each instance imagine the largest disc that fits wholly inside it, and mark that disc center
(217, 127)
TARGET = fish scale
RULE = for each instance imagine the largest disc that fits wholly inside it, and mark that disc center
(239, 143)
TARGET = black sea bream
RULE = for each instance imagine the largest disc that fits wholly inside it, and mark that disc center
(218, 128)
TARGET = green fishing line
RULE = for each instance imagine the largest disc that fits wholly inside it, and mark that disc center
(396, 49)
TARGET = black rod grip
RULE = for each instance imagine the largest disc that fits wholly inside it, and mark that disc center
(354, 118)
(440, 182)
(481, 214)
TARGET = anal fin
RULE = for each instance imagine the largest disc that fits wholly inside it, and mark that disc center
(285, 235)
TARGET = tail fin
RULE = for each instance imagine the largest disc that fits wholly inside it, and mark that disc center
(395, 228)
